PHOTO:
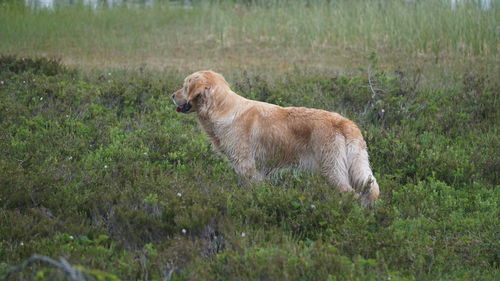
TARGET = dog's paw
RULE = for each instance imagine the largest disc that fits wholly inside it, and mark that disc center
(368, 185)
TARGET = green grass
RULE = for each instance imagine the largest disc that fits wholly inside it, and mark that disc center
(99, 168)
(276, 35)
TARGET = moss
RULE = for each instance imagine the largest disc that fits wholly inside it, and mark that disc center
(100, 169)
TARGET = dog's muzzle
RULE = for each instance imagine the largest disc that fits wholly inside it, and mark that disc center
(184, 108)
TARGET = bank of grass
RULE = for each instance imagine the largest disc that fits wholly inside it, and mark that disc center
(98, 167)
(270, 35)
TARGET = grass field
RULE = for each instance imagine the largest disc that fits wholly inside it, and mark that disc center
(277, 36)
(98, 168)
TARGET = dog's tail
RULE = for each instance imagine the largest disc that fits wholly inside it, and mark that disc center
(360, 173)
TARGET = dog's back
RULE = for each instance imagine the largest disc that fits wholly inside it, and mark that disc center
(310, 139)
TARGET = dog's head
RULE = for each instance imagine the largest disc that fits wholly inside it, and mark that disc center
(196, 90)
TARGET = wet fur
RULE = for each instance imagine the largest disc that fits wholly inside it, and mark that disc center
(259, 137)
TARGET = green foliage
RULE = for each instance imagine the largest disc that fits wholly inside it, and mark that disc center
(48, 67)
(99, 168)
(291, 261)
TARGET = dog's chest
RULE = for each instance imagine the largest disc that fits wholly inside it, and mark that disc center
(220, 132)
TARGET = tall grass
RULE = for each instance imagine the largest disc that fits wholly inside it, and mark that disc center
(261, 33)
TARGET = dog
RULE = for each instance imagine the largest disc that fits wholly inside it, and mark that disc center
(259, 138)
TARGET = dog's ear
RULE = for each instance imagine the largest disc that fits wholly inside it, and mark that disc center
(199, 94)
(203, 93)
(206, 92)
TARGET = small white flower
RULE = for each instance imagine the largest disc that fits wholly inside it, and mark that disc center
(24, 81)
(105, 166)
(41, 98)
(34, 80)
(109, 73)
(383, 110)
(184, 231)
(1, 82)
(145, 153)
(22, 244)
(71, 237)
(179, 194)
(313, 206)
(67, 116)
(243, 234)
(70, 158)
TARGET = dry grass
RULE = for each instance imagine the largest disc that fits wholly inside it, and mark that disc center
(336, 36)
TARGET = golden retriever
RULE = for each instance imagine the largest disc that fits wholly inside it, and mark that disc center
(258, 138)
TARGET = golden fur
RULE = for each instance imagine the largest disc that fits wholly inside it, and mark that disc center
(259, 137)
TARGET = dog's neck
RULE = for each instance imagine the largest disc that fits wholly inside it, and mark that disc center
(222, 106)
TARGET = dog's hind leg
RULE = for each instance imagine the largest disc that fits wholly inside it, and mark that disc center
(333, 164)
(360, 173)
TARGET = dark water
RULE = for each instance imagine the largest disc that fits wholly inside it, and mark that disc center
(98, 4)
(94, 4)
(483, 4)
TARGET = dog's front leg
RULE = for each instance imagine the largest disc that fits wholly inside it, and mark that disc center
(246, 170)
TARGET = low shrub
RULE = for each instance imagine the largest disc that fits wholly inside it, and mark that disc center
(99, 168)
